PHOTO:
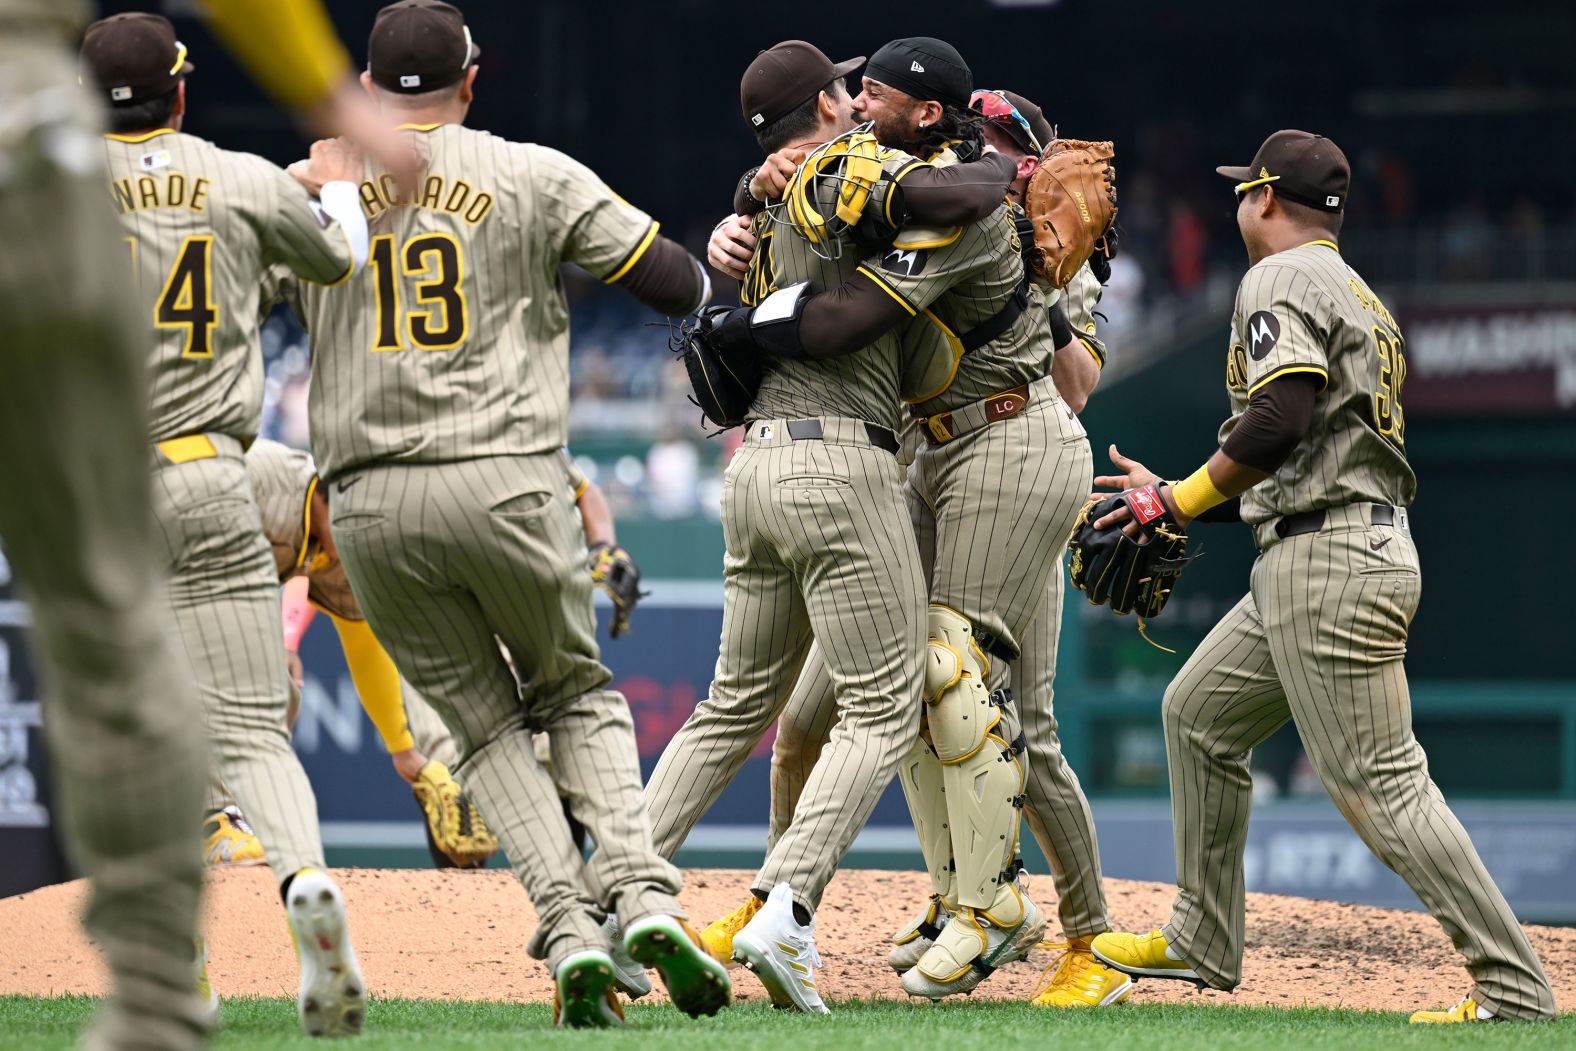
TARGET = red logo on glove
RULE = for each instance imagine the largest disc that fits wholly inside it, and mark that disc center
(1146, 504)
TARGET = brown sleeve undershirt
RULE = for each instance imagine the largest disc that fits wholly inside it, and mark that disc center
(665, 278)
(1278, 416)
(928, 195)
(844, 319)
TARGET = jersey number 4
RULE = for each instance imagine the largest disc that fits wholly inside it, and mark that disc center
(439, 316)
(186, 301)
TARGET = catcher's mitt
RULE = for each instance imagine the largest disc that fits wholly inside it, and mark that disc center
(724, 372)
(1072, 200)
(456, 833)
(615, 572)
(1108, 566)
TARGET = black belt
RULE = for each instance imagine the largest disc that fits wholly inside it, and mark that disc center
(811, 430)
(1313, 521)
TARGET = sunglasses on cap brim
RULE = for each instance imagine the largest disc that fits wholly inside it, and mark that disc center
(1253, 184)
(998, 108)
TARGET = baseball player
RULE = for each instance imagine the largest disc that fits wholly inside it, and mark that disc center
(202, 226)
(75, 514)
(438, 409)
(1055, 799)
(980, 262)
(296, 522)
(1313, 457)
(989, 410)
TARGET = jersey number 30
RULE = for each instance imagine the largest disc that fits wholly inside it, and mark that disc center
(439, 316)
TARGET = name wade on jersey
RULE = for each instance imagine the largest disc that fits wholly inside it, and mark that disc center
(456, 197)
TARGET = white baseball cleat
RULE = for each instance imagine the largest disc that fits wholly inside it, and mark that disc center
(911, 942)
(782, 953)
(628, 973)
(333, 999)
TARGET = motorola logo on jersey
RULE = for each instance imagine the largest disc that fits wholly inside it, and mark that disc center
(908, 262)
(1263, 332)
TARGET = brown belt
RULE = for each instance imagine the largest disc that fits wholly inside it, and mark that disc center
(939, 430)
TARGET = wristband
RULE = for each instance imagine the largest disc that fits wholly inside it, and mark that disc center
(1197, 493)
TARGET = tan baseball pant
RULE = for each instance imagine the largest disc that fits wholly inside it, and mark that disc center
(1320, 639)
(223, 598)
(818, 545)
(1005, 497)
(121, 721)
(445, 560)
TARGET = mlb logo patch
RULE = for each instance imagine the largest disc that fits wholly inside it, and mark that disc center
(763, 433)
(155, 160)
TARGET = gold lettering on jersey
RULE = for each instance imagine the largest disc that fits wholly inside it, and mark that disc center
(429, 193)
(1237, 367)
(438, 194)
(1370, 302)
(147, 192)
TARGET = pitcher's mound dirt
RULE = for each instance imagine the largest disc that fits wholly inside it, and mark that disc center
(461, 935)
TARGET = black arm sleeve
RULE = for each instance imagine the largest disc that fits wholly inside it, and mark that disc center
(1230, 511)
(848, 317)
(1278, 415)
(665, 278)
(955, 195)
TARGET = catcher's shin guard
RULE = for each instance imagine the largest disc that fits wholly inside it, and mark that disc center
(960, 712)
(920, 774)
(976, 740)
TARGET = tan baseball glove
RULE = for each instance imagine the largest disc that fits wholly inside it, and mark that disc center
(455, 829)
(1071, 200)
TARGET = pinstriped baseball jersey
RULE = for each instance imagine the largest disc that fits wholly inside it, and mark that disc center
(68, 16)
(1306, 311)
(1079, 299)
(283, 480)
(954, 280)
(202, 226)
(863, 385)
(454, 342)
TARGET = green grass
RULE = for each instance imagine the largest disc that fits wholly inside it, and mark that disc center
(256, 1025)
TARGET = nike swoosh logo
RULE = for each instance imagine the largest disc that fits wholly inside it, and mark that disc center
(346, 483)
(1375, 545)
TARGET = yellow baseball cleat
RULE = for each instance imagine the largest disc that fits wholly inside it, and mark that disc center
(1143, 956)
(1077, 979)
(1468, 1010)
(717, 938)
(229, 840)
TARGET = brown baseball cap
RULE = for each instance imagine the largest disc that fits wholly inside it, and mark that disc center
(785, 75)
(1307, 168)
(133, 57)
(419, 45)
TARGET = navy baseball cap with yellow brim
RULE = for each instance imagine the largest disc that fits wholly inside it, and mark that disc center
(1303, 167)
(133, 57)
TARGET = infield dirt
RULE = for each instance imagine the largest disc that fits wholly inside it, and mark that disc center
(461, 936)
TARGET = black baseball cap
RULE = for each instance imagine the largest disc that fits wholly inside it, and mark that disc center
(133, 57)
(1307, 168)
(419, 45)
(924, 67)
(784, 76)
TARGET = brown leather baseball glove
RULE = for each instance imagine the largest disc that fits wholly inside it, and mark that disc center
(1071, 199)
